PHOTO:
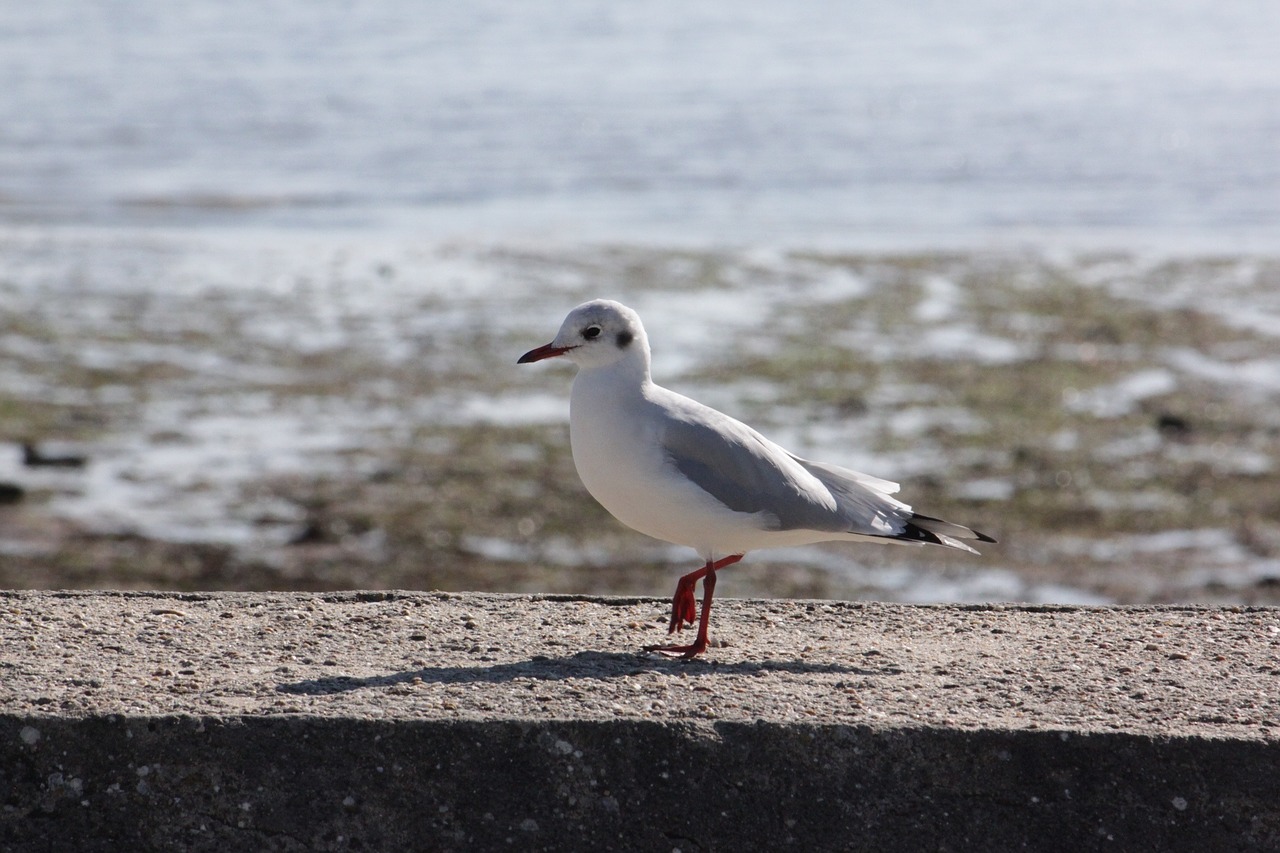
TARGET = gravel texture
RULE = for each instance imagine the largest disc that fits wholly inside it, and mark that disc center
(297, 721)
(1197, 671)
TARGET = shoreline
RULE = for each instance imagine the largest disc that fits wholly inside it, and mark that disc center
(338, 409)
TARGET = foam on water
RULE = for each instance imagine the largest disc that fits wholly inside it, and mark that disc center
(1122, 397)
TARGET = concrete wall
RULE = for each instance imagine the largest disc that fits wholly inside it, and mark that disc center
(422, 721)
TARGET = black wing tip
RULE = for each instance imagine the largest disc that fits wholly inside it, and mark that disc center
(978, 535)
(912, 533)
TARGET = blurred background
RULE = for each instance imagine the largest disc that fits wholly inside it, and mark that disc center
(265, 269)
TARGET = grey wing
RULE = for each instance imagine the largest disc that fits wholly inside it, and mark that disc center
(746, 472)
(750, 474)
(865, 504)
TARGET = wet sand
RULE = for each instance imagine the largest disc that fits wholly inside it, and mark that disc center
(272, 410)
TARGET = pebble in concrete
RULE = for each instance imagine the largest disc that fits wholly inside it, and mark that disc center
(290, 720)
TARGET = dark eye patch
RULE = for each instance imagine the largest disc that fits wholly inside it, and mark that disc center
(624, 338)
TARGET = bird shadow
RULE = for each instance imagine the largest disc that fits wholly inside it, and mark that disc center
(597, 665)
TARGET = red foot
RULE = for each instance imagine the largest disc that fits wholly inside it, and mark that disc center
(688, 652)
(684, 609)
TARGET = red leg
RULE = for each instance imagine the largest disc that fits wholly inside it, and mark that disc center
(683, 608)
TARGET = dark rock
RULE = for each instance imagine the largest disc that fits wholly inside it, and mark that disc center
(1173, 426)
(33, 457)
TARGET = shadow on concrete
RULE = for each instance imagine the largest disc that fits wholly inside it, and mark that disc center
(597, 665)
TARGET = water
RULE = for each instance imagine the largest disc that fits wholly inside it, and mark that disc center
(236, 388)
(206, 209)
(743, 122)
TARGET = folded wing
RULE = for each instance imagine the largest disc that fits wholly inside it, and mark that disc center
(747, 473)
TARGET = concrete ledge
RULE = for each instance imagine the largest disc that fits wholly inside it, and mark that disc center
(423, 721)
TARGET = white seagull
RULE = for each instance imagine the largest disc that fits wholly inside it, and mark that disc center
(679, 471)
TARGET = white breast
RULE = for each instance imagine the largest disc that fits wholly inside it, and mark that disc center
(615, 432)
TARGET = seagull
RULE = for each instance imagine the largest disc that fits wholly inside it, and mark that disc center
(677, 470)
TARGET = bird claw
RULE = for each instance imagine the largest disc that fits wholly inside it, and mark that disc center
(684, 608)
(688, 652)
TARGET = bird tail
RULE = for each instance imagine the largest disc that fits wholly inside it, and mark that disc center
(925, 528)
(869, 508)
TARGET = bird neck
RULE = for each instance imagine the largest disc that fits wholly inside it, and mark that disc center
(624, 378)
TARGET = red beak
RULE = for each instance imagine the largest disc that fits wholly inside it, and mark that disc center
(547, 351)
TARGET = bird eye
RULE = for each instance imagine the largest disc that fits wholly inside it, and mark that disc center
(591, 332)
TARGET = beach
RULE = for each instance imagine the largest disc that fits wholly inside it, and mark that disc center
(265, 272)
